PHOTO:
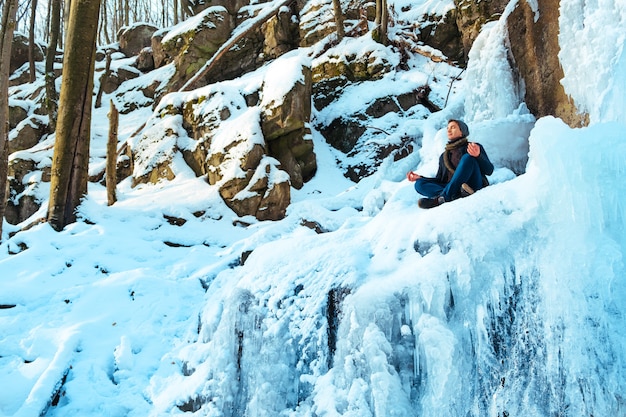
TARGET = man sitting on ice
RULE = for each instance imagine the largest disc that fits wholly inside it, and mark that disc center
(463, 169)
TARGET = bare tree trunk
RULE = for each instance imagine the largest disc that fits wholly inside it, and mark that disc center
(31, 41)
(104, 24)
(338, 19)
(103, 79)
(164, 12)
(8, 26)
(66, 13)
(50, 78)
(382, 19)
(46, 35)
(70, 161)
(384, 24)
(185, 8)
(126, 13)
(111, 165)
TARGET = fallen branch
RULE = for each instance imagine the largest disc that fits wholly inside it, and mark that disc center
(450, 89)
(379, 129)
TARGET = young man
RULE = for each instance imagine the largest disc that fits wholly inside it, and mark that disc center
(463, 169)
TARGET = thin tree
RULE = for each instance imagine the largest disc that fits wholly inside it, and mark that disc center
(111, 161)
(185, 9)
(104, 24)
(70, 161)
(104, 79)
(50, 77)
(381, 21)
(338, 19)
(66, 13)
(46, 35)
(31, 41)
(6, 39)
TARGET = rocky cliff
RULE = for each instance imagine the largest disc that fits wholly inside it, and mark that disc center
(226, 41)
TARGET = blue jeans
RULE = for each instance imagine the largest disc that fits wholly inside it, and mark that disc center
(467, 172)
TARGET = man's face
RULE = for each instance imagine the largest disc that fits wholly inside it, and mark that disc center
(453, 131)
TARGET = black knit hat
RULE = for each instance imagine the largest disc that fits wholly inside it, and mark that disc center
(462, 126)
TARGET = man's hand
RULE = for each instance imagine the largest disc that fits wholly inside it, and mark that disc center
(412, 176)
(473, 149)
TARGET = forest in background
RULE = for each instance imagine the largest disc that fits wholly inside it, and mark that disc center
(75, 27)
(34, 16)
(82, 25)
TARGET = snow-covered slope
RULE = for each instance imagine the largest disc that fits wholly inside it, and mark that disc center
(509, 302)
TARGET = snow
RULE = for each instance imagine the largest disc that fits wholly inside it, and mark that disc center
(194, 23)
(419, 11)
(511, 300)
(281, 76)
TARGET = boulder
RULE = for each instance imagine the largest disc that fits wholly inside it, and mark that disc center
(316, 24)
(246, 156)
(27, 134)
(24, 174)
(371, 65)
(344, 132)
(250, 183)
(191, 47)
(19, 51)
(471, 16)
(153, 155)
(280, 34)
(17, 113)
(353, 134)
(327, 90)
(134, 38)
(276, 199)
(18, 169)
(442, 33)
(260, 42)
(145, 60)
(116, 77)
(252, 146)
(26, 206)
(124, 166)
(20, 76)
(160, 56)
(284, 123)
(245, 57)
(296, 156)
(266, 195)
(290, 112)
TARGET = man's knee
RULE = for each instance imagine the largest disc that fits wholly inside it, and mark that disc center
(467, 160)
(419, 185)
(427, 187)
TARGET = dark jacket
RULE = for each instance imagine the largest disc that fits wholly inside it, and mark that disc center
(486, 167)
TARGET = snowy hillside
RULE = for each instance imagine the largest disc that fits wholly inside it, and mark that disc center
(507, 303)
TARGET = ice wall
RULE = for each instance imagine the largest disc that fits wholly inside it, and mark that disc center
(583, 277)
(592, 38)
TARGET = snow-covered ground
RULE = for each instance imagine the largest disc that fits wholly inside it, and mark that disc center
(508, 302)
